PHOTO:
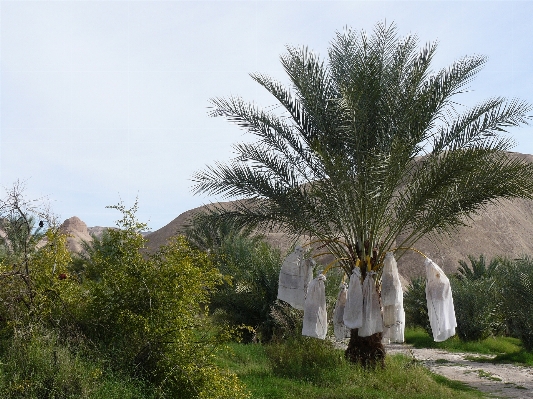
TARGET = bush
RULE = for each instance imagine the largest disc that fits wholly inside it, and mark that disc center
(287, 320)
(40, 364)
(147, 313)
(307, 359)
(251, 267)
(515, 289)
(475, 308)
(415, 305)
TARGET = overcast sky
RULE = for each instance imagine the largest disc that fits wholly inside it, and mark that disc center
(103, 101)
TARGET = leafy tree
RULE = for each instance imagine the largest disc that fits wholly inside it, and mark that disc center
(147, 312)
(33, 256)
(369, 144)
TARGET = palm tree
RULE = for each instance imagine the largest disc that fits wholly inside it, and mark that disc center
(368, 145)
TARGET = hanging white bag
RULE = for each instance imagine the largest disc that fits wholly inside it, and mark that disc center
(372, 320)
(440, 303)
(353, 311)
(394, 320)
(395, 333)
(339, 329)
(315, 323)
(294, 277)
(392, 300)
(390, 281)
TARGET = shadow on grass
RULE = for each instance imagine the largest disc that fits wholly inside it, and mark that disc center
(490, 346)
(522, 358)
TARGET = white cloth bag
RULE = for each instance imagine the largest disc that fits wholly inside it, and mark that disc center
(294, 277)
(440, 303)
(394, 321)
(353, 311)
(390, 281)
(392, 301)
(339, 329)
(315, 322)
(372, 319)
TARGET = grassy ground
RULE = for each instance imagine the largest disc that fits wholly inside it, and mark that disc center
(506, 349)
(310, 368)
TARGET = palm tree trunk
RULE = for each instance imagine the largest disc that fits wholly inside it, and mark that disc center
(366, 351)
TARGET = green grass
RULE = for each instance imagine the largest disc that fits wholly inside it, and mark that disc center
(401, 378)
(489, 346)
(506, 349)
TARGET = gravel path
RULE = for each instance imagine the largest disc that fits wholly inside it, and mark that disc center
(498, 380)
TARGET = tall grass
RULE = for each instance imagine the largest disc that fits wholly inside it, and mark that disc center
(40, 365)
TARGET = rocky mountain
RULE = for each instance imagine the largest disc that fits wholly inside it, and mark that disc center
(78, 232)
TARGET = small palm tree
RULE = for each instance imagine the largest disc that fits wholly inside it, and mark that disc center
(368, 145)
(477, 269)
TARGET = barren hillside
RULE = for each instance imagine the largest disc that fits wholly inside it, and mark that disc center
(503, 229)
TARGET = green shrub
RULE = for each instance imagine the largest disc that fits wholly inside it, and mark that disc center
(415, 305)
(475, 307)
(286, 319)
(148, 313)
(39, 364)
(306, 358)
(251, 267)
(515, 286)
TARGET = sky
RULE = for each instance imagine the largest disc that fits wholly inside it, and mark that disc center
(107, 101)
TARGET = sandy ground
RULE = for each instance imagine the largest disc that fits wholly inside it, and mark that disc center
(498, 380)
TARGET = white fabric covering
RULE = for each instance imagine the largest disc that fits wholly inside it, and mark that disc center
(372, 320)
(392, 300)
(390, 282)
(315, 322)
(353, 311)
(394, 315)
(340, 330)
(294, 277)
(440, 303)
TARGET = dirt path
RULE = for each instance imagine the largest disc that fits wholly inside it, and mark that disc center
(498, 380)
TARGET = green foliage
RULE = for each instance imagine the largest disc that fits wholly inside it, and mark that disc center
(20, 238)
(478, 268)
(415, 305)
(475, 307)
(307, 359)
(140, 320)
(39, 364)
(147, 313)
(286, 319)
(515, 281)
(492, 345)
(251, 268)
(38, 292)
